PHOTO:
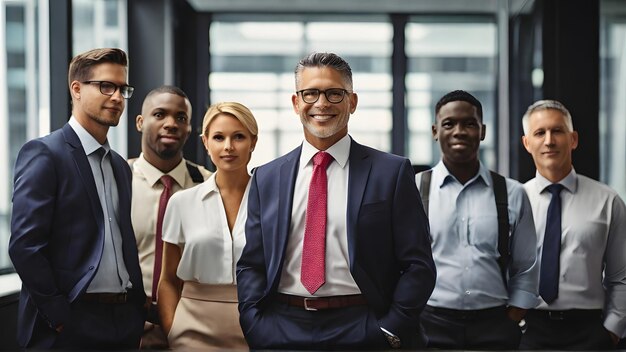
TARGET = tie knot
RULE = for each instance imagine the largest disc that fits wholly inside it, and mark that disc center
(167, 181)
(101, 152)
(322, 159)
(555, 189)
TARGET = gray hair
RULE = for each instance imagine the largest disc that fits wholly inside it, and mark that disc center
(331, 60)
(545, 105)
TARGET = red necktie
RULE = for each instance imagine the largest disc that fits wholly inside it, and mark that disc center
(312, 275)
(167, 182)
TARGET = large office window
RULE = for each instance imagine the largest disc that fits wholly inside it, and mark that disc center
(24, 77)
(253, 59)
(22, 104)
(446, 54)
(613, 95)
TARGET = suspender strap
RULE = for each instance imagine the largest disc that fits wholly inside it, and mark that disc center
(425, 188)
(195, 174)
(502, 207)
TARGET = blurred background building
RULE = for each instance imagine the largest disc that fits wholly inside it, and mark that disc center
(405, 54)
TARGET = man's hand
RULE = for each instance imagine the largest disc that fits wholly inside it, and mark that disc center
(614, 338)
(515, 313)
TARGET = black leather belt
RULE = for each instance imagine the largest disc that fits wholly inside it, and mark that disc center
(467, 314)
(321, 303)
(105, 297)
(570, 314)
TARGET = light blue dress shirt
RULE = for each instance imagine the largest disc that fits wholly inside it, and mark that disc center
(464, 228)
(112, 275)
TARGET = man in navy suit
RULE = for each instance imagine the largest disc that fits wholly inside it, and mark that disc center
(378, 270)
(72, 243)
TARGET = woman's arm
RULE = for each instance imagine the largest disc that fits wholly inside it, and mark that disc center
(170, 285)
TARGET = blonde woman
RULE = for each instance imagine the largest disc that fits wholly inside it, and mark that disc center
(203, 235)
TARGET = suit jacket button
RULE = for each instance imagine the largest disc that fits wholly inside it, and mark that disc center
(91, 267)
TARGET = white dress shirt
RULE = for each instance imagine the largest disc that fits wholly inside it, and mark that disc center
(464, 227)
(593, 237)
(339, 280)
(195, 220)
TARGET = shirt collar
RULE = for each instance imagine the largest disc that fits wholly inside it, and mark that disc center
(89, 143)
(569, 182)
(340, 151)
(153, 175)
(209, 186)
(442, 176)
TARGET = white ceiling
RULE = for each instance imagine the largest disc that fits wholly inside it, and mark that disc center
(364, 6)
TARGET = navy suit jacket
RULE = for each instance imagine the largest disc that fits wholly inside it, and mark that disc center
(388, 240)
(57, 231)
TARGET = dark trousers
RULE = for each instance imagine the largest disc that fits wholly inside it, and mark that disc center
(294, 328)
(102, 326)
(575, 329)
(484, 329)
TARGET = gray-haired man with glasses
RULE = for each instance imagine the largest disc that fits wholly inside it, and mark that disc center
(72, 242)
(337, 253)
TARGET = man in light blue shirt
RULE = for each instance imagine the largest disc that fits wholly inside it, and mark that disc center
(482, 291)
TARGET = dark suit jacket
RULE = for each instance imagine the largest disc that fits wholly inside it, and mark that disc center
(57, 231)
(388, 239)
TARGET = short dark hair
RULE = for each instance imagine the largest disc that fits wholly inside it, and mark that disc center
(459, 95)
(325, 60)
(167, 89)
(81, 65)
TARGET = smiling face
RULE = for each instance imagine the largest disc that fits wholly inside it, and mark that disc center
(550, 142)
(165, 124)
(95, 111)
(459, 131)
(324, 123)
(229, 143)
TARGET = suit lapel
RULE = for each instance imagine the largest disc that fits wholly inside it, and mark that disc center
(84, 170)
(286, 183)
(360, 166)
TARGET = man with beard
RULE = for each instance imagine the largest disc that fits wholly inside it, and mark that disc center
(483, 238)
(337, 254)
(72, 242)
(159, 172)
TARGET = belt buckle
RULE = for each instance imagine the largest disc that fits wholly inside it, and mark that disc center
(306, 304)
(554, 315)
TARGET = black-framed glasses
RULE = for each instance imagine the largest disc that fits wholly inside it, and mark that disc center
(109, 88)
(333, 95)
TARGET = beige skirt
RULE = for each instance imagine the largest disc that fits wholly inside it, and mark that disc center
(207, 317)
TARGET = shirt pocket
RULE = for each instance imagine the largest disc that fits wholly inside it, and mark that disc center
(483, 232)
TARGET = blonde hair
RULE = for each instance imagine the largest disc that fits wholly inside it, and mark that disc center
(236, 110)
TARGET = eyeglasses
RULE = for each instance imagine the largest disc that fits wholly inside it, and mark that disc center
(333, 95)
(109, 88)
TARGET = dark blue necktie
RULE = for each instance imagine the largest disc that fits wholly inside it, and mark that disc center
(549, 279)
